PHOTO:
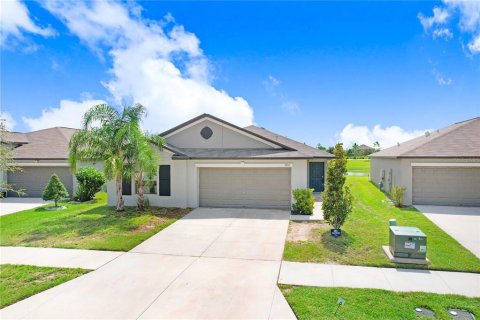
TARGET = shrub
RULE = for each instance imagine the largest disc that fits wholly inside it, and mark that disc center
(337, 199)
(398, 194)
(90, 181)
(304, 201)
(55, 190)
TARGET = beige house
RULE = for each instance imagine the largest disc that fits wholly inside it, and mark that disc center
(439, 168)
(212, 163)
(39, 154)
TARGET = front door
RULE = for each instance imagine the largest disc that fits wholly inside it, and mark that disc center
(316, 172)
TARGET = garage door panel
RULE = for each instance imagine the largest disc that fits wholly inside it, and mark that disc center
(446, 186)
(245, 187)
(34, 179)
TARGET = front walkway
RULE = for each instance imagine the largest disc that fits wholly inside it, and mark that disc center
(55, 257)
(329, 275)
(213, 263)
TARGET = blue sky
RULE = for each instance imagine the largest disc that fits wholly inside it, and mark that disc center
(318, 72)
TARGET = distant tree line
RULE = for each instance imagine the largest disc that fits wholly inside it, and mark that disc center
(355, 151)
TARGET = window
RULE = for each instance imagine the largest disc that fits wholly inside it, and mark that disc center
(164, 180)
(126, 186)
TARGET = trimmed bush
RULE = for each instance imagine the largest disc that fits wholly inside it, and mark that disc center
(398, 194)
(55, 190)
(90, 181)
(304, 201)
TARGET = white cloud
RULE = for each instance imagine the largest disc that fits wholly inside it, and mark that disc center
(440, 16)
(9, 121)
(474, 45)
(68, 114)
(387, 136)
(441, 79)
(156, 63)
(271, 85)
(468, 12)
(15, 20)
(444, 33)
(291, 107)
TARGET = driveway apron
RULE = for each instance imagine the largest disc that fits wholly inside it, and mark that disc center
(212, 264)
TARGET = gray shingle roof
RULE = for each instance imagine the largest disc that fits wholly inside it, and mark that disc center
(302, 149)
(14, 137)
(460, 140)
(51, 143)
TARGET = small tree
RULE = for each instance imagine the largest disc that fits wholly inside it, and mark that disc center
(398, 194)
(337, 199)
(55, 190)
(7, 163)
(90, 181)
(320, 147)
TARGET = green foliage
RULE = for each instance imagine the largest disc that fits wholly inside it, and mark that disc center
(366, 231)
(18, 282)
(304, 201)
(55, 190)
(90, 181)
(144, 162)
(372, 304)
(320, 147)
(7, 162)
(112, 141)
(398, 194)
(337, 199)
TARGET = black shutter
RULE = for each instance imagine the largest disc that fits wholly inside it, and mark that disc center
(164, 180)
(126, 186)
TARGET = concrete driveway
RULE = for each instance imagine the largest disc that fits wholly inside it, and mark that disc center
(212, 264)
(462, 223)
(12, 205)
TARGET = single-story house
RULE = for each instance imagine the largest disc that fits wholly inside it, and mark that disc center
(39, 154)
(209, 162)
(439, 168)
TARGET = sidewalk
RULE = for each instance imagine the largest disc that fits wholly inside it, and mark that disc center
(54, 257)
(327, 275)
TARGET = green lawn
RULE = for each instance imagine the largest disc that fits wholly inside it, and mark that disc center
(372, 304)
(366, 230)
(358, 165)
(18, 282)
(86, 226)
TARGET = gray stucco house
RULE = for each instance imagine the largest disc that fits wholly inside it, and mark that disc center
(39, 154)
(439, 168)
(213, 163)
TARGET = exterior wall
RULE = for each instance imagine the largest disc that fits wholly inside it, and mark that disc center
(185, 181)
(222, 137)
(379, 165)
(402, 170)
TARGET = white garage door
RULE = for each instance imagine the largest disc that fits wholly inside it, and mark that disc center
(446, 186)
(249, 188)
(34, 179)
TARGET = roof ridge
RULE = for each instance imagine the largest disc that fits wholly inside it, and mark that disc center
(442, 134)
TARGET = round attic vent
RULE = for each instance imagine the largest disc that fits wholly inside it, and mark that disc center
(206, 133)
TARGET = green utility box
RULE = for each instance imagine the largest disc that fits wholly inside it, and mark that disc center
(408, 242)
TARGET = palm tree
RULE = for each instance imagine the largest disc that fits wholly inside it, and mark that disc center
(107, 135)
(144, 158)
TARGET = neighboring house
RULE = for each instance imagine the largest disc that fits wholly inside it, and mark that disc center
(209, 162)
(39, 154)
(439, 168)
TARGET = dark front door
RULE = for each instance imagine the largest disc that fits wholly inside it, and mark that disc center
(316, 173)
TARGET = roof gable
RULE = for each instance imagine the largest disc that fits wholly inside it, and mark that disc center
(209, 132)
